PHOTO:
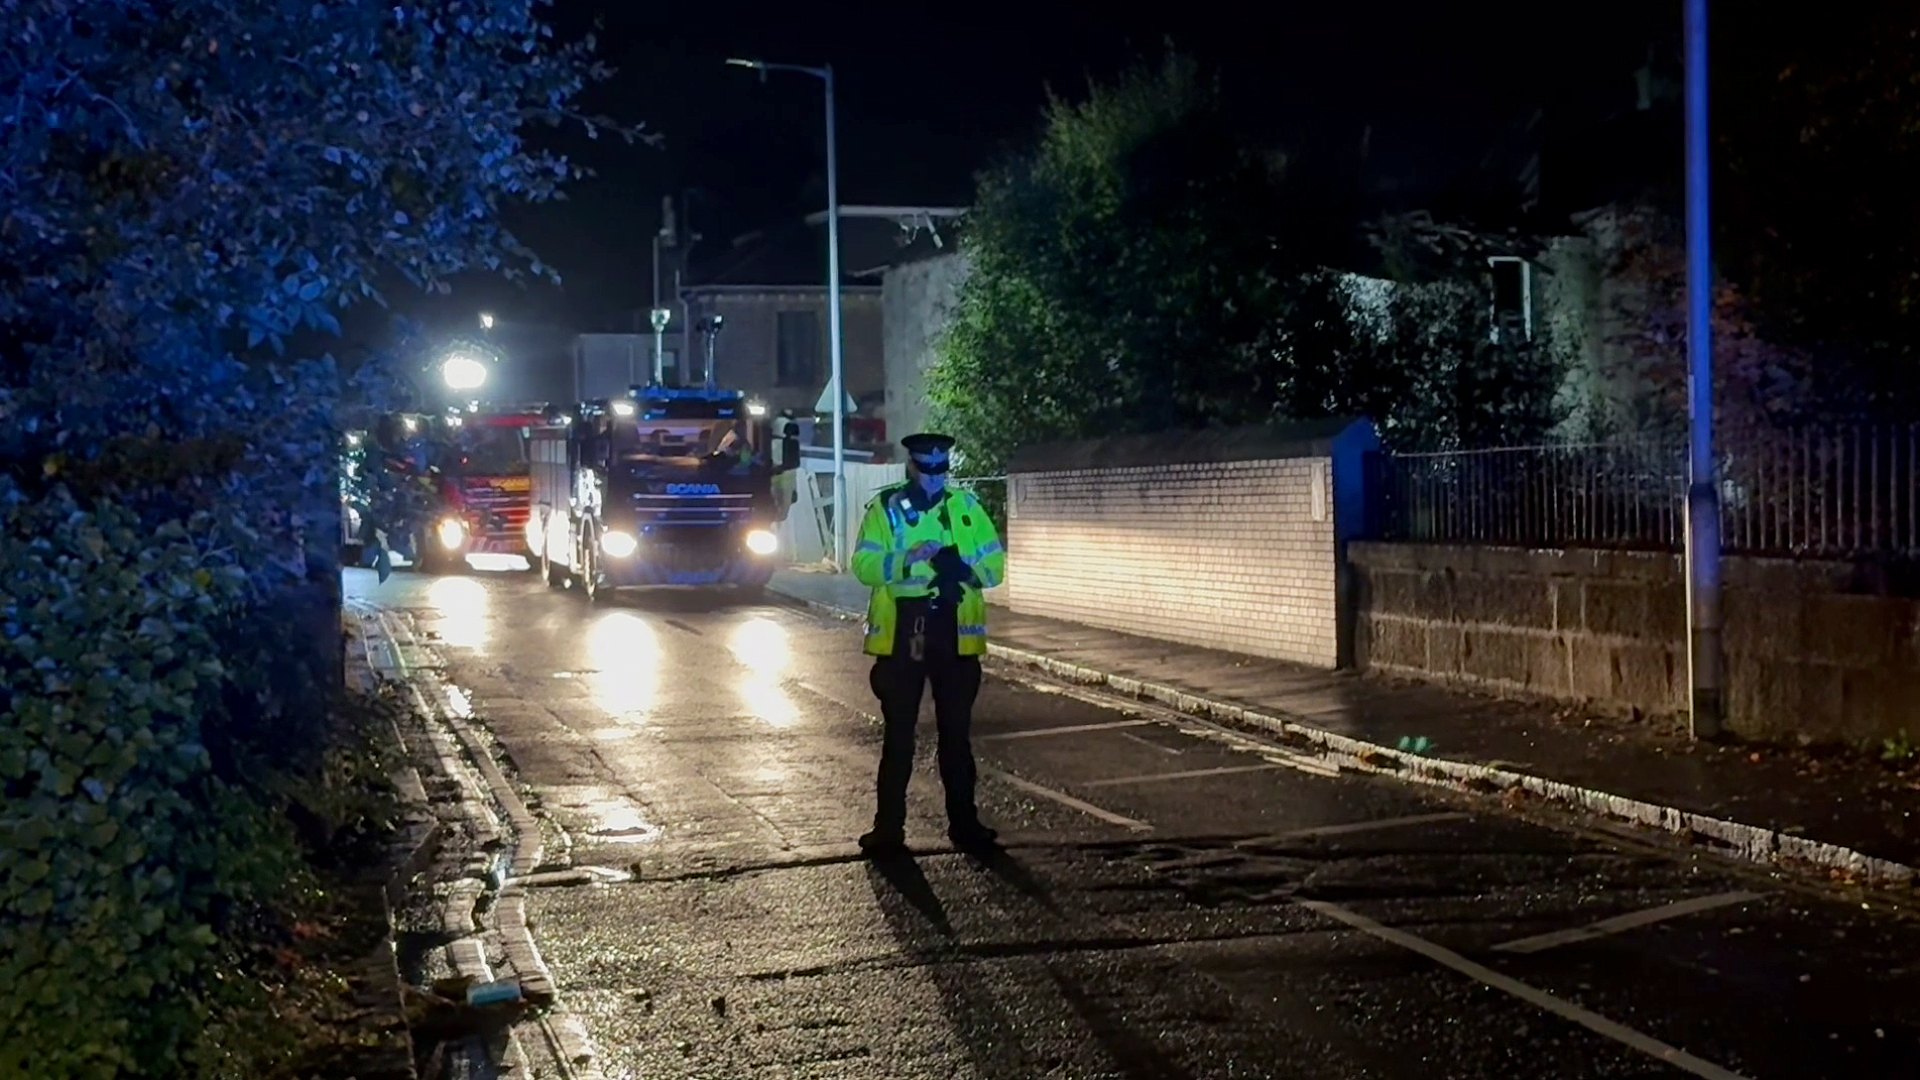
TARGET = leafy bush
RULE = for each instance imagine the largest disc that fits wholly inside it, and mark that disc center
(193, 191)
(122, 845)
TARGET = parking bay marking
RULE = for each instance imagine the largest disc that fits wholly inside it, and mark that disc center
(1188, 774)
(1211, 858)
(1540, 999)
(1632, 920)
(1067, 800)
(1070, 729)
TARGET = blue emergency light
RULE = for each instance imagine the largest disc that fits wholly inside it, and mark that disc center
(684, 393)
(662, 399)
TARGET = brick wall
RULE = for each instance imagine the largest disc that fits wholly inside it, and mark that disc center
(1230, 556)
(1226, 539)
(1814, 650)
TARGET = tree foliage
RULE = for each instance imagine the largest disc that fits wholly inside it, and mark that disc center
(188, 191)
(1635, 385)
(1124, 272)
(1145, 267)
(1818, 143)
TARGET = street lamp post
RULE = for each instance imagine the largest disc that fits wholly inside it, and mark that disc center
(1704, 669)
(661, 317)
(842, 514)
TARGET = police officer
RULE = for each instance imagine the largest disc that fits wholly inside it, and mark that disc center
(927, 552)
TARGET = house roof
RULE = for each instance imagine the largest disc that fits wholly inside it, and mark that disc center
(794, 253)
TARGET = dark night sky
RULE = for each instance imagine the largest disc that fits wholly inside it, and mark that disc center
(929, 93)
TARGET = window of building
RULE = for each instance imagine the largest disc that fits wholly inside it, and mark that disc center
(1512, 299)
(797, 349)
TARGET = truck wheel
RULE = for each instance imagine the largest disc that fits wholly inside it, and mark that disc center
(590, 576)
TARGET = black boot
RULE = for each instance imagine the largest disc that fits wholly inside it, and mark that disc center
(972, 836)
(883, 841)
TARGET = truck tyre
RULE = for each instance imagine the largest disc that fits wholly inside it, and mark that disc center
(590, 575)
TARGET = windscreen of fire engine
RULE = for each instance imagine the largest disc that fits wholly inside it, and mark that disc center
(659, 439)
(492, 451)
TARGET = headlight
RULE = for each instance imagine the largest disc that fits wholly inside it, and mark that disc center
(452, 534)
(762, 542)
(618, 544)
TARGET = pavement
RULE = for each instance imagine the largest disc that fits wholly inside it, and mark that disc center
(1178, 899)
(1841, 815)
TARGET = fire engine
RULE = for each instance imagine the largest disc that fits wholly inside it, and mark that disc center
(666, 486)
(474, 465)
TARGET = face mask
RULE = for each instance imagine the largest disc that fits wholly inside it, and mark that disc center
(933, 483)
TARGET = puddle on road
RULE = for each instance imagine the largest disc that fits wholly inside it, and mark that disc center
(623, 824)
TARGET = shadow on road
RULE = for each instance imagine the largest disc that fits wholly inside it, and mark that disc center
(1001, 864)
(900, 878)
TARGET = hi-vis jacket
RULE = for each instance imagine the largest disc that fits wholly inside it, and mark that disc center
(892, 528)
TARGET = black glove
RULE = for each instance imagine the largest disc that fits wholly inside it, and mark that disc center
(951, 574)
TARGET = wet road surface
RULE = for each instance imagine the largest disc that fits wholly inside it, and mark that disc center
(1175, 901)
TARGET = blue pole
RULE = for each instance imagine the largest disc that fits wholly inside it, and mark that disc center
(1704, 668)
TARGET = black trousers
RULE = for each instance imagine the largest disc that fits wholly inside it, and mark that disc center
(898, 682)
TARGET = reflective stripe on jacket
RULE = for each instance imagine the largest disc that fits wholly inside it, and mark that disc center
(892, 528)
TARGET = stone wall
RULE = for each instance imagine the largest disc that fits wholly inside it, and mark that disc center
(1814, 650)
(1227, 540)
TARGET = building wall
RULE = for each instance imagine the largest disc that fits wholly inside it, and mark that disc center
(1811, 651)
(916, 300)
(605, 365)
(747, 349)
(1238, 556)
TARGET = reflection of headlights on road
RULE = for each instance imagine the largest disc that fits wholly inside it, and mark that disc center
(452, 534)
(618, 544)
(762, 542)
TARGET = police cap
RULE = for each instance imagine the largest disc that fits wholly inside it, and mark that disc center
(927, 444)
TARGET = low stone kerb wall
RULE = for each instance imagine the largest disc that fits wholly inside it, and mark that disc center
(1814, 650)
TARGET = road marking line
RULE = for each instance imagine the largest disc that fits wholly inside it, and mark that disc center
(1151, 745)
(1312, 766)
(1065, 799)
(1071, 729)
(1540, 999)
(1353, 827)
(1189, 774)
(1630, 921)
(1210, 859)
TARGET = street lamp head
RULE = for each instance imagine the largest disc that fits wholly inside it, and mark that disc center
(486, 320)
(753, 65)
